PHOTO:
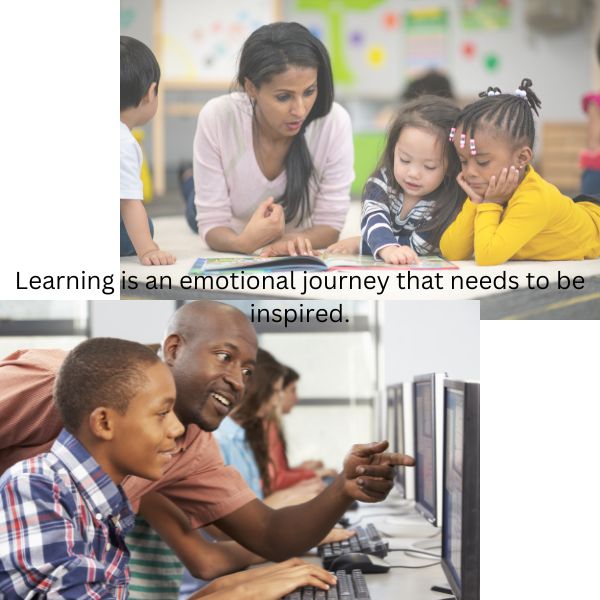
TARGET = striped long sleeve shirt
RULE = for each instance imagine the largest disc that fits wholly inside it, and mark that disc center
(62, 527)
(381, 224)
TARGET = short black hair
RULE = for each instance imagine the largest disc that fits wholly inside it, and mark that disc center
(432, 83)
(100, 372)
(139, 69)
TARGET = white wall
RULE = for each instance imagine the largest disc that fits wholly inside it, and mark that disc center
(142, 321)
(422, 337)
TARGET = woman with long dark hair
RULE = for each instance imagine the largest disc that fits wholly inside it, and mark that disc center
(273, 162)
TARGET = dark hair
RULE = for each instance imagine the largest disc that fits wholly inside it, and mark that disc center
(436, 115)
(260, 389)
(139, 69)
(434, 83)
(290, 376)
(100, 372)
(510, 113)
(269, 51)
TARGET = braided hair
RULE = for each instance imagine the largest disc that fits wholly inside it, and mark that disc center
(512, 113)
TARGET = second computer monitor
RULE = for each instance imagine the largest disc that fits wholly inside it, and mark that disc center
(460, 530)
(428, 406)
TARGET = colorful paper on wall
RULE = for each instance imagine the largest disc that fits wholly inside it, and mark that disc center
(426, 40)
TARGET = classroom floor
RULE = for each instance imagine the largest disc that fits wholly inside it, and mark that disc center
(521, 304)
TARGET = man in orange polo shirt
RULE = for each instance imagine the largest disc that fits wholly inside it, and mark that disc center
(211, 349)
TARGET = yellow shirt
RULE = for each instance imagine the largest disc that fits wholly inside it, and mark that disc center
(537, 223)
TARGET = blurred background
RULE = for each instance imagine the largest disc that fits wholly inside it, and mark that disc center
(379, 49)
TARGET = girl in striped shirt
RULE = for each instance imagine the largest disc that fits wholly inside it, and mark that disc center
(413, 195)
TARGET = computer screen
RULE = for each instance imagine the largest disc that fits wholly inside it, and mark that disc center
(428, 417)
(460, 529)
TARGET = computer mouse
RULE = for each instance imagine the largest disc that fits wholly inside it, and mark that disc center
(367, 563)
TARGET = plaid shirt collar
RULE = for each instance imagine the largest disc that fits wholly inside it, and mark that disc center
(104, 498)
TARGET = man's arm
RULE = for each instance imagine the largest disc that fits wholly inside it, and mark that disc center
(278, 534)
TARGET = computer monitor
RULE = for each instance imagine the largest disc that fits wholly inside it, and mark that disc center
(391, 436)
(404, 479)
(428, 406)
(460, 529)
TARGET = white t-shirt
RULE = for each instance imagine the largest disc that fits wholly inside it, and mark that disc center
(230, 185)
(131, 166)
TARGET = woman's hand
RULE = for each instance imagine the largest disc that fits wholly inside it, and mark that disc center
(289, 247)
(312, 464)
(337, 534)
(399, 255)
(347, 246)
(265, 225)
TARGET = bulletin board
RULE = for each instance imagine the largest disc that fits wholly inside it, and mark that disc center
(200, 40)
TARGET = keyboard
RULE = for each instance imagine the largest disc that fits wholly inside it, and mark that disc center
(367, 540)
(350, 586)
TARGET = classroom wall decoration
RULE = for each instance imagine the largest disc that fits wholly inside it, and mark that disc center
(200, 41)
(363, 39)
(426, 40)
(485, 14)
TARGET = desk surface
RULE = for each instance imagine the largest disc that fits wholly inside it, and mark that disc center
(404, 528)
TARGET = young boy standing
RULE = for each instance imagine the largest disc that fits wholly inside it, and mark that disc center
(65, 513)
(140, 75)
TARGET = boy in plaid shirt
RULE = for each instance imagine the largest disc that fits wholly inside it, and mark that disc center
(65, 514)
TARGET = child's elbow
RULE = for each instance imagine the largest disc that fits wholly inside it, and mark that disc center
(487, 259)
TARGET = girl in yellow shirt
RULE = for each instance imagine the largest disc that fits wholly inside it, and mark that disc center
(511, 212)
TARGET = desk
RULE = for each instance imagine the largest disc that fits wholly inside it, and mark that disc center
(408, 529)
(173, 234)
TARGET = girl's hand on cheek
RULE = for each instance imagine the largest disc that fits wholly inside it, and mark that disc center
(500, 190)
(473, 195)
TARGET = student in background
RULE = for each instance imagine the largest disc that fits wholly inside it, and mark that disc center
(140, 75)
(590, 157)
(280, 472)
(273, 163)
(412, 196)
(511, 212)
(65, 512)
(243, 438)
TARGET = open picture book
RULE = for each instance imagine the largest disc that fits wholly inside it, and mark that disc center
(323, 262)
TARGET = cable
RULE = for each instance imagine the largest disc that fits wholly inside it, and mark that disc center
(414, 551)
(415, 566)
(370, 515)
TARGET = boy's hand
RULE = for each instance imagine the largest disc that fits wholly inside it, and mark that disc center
(369, 471)
(157, 256)
(347, 246)
(398, 255)
(501, 189)
(265, 225)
